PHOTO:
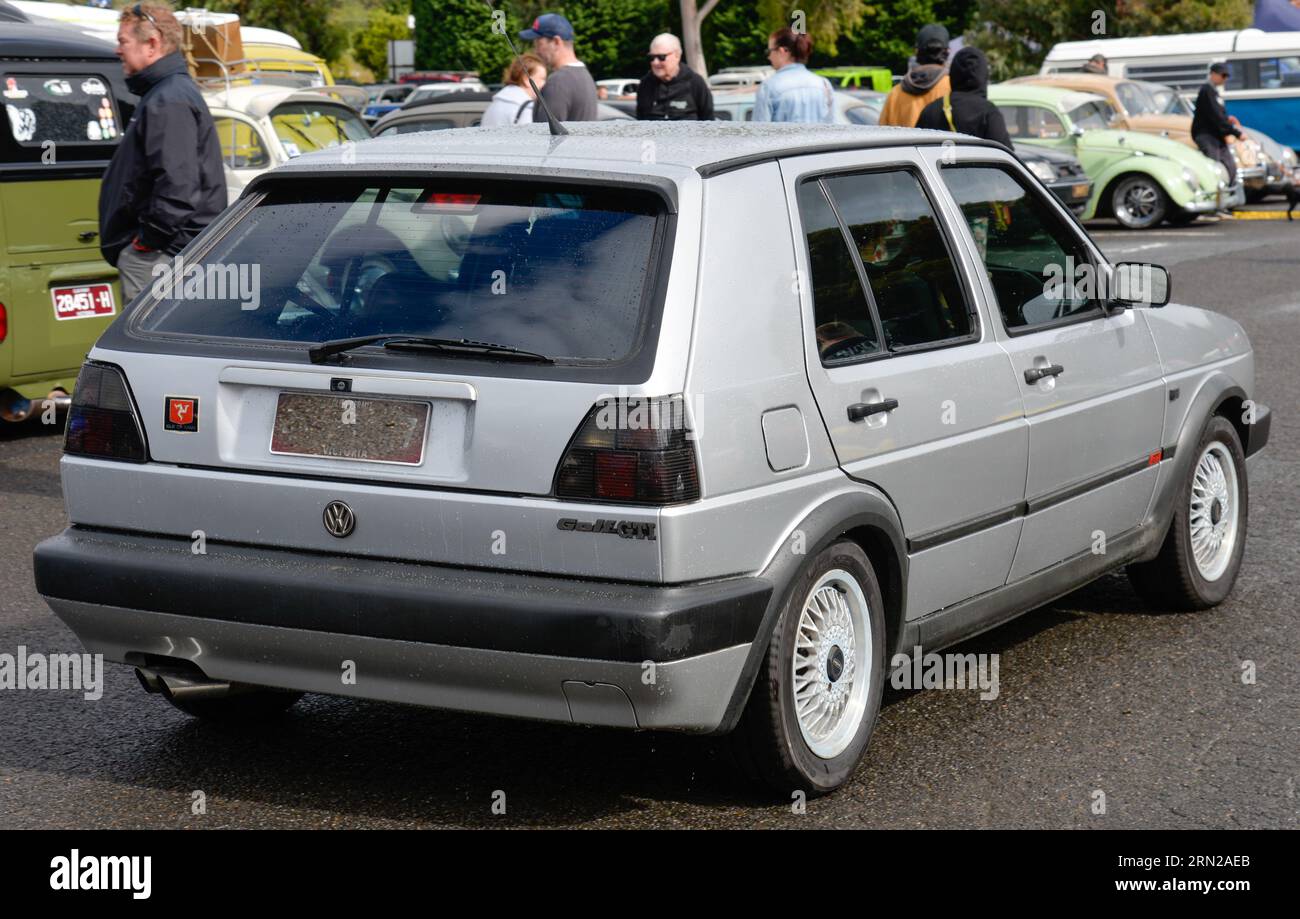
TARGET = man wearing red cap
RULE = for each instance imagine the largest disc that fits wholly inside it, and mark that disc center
(570, 92)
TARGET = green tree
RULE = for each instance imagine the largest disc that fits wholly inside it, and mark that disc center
(371, 45)
(1017, 34)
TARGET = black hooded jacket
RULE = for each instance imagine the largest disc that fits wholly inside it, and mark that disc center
(972, 112)
(686, 97)
(165, 182)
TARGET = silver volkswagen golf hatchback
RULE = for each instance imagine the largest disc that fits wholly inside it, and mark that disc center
(689, 427)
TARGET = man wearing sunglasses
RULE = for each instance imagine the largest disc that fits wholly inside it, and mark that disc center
(165, 182)
(671, 91)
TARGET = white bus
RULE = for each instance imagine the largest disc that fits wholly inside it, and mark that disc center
(1263, 92)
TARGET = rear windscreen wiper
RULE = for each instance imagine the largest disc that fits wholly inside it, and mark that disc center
(318, 353)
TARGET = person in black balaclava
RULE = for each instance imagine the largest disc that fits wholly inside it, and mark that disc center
(926, 80)
(967, 108)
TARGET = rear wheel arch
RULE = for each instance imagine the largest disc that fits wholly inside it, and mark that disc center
(868, 518)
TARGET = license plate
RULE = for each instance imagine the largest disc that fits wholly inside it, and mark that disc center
(350, 428)
(83, 302)
(1080, 191)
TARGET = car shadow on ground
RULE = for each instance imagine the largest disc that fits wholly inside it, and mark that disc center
(378, 764)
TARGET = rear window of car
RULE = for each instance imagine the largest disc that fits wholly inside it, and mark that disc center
(61, 109)
(567, 271)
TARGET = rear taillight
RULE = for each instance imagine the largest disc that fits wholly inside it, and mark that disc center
(4, 323)
(631, 451)
(102, 421)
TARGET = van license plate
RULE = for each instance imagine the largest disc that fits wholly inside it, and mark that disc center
(83, 302)
(350, 428)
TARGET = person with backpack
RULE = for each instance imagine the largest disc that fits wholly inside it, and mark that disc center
(967, 109)
(513, 103)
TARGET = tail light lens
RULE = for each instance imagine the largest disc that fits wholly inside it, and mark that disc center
(631, 451)
(102, 421)
(4, 323)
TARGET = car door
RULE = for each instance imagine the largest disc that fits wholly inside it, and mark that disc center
(1093, 391)
(917, 397)
(244, 152)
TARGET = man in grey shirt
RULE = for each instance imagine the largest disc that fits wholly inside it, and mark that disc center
(570, 92)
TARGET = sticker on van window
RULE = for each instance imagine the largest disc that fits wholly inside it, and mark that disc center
(12, 91)
(93, 87)
(182, 414)
(84, 302)
(58, 87)
(22, 121)
(93, 130)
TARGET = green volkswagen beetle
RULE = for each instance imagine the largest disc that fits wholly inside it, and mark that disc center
(1139, 179)
(66, 104)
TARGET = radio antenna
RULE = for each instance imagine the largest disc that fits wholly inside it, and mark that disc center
(556, 127)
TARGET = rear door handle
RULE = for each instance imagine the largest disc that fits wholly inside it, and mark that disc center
(860, 410)
(1034, 374)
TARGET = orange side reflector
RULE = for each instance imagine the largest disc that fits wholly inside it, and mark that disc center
(1155, 457)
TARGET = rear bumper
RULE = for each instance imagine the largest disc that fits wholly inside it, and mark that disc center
(504, 643)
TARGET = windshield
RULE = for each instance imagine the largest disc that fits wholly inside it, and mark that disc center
(306, 126)
(1093, 116)
(1165, 100)
(560, 270)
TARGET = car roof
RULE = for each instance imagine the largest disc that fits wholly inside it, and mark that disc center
(1064, 99)
(259, 100)
(53, 40)
(1086, 82)
(707, 147)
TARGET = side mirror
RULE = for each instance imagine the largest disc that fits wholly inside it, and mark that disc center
(1076, 131)
(1139, 284)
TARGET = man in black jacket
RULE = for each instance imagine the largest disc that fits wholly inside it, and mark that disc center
(671, 91)
(967, 108)
(1211, 126)
(165, 182)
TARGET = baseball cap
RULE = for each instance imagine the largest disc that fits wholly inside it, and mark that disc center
(1220, 67)
(549, 25)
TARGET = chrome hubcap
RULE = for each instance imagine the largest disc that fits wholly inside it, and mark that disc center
(1138, 203)
(1215, 511)
(830, 670)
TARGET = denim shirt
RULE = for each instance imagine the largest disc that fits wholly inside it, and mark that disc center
(794, 93)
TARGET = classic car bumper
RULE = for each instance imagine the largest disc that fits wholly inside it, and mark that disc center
(558, 649)
(1227, 198)
(1073, 194)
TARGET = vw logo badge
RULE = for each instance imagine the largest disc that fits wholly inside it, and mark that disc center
(339, 519)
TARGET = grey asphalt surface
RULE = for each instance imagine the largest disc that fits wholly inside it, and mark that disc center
(1097, 693)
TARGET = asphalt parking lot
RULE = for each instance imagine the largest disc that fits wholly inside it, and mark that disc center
(1098, 694)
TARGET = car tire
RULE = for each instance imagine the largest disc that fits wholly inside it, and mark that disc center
(835, 596)
(249, 704)
(1139, 202)
(1201, 555)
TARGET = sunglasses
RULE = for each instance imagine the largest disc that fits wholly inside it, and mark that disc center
(139, 12)
(772, 50)
(659, 57)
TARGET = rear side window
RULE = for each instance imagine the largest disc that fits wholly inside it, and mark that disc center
(63, 109)
(567, 271)
(904, 257)
(844, 326)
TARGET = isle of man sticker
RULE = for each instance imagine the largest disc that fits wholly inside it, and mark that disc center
(182, 414)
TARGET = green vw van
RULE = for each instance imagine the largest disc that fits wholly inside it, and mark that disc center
(66, 105)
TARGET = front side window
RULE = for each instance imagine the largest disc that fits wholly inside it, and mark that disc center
(1031, 122)
(241, 144)
(1094, 116)
(69, 109)
(1041, 271)
(901, 249)
(566, 271)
